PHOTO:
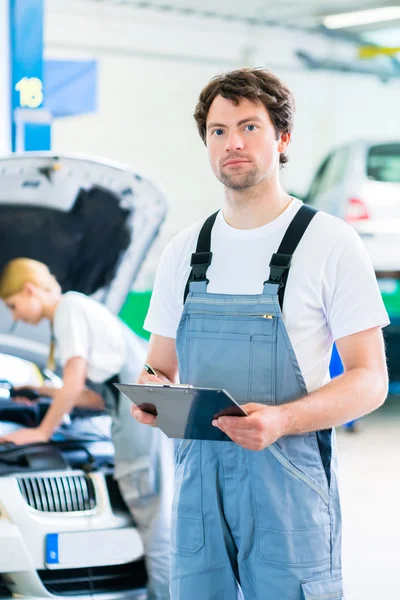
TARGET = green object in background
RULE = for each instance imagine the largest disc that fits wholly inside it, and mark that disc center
(390, 290)
(134, 312)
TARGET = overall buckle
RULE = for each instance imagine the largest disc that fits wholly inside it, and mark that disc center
(200, 262)
(278, 265)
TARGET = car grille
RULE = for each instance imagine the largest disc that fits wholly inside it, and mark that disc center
(95, 580)
(63, 493)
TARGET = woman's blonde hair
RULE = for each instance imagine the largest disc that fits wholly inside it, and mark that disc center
(20, 271)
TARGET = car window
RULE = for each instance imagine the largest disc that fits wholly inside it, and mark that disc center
(330, 173)
(383, 163)
(316, 182)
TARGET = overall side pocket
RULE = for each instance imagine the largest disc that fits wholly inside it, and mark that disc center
(330, 588)
(299, 473)
(187, 527)
(292, 517)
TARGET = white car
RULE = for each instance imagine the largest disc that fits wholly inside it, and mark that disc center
(64, 529)
(360, 182)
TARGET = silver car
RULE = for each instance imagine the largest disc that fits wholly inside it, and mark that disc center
(360, 182)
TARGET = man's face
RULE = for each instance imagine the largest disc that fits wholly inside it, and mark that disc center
(241, 141)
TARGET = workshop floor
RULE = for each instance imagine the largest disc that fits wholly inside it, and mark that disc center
(370, 488)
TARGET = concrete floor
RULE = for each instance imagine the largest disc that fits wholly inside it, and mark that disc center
(370, 488)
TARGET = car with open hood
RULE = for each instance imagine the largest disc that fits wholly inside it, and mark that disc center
(64, 528)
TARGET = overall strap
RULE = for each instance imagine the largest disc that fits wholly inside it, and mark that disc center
(201, 259)
(281, 260)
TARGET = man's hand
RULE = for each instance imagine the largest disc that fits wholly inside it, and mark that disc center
(163, 360)
(261, 428)
(146, 378)
(138, 414)
(25, 436)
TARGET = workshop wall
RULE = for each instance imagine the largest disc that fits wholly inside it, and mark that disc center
(152, 66)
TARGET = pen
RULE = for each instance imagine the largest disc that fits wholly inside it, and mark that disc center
(150, 369)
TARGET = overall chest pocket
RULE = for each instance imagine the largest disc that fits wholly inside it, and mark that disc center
(233, 354)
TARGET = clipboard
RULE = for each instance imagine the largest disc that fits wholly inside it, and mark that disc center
(184, 412)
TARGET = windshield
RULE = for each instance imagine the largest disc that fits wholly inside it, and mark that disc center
(383, 163)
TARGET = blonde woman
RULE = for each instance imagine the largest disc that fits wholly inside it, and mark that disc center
(92, 344)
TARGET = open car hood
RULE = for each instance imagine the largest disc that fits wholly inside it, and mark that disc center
(92, 222)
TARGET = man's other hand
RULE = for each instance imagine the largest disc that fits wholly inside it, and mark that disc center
(261, 428)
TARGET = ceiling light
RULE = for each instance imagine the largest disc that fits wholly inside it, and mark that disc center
(362, 17)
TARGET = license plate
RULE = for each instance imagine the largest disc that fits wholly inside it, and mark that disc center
(92, 548)
(52, 548)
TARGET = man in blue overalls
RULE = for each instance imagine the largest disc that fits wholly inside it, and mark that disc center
(251, 300)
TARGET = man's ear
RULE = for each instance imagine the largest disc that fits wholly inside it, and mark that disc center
(284, 141)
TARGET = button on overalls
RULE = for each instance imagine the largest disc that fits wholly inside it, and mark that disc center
(255, 525)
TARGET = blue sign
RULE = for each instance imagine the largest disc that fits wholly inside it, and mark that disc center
(70, 87)
(27, 89)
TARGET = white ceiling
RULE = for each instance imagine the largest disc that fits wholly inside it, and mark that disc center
(297, 13)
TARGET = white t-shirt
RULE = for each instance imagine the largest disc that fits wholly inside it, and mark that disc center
(331, 290)
(86, 328)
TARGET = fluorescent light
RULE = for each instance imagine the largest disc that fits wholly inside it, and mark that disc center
(362, 17)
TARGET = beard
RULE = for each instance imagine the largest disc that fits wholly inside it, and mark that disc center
(239, 181)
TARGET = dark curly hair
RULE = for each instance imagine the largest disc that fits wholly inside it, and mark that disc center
(259, 86)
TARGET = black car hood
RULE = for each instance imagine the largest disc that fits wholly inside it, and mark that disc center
(65, 455)
(82, 247)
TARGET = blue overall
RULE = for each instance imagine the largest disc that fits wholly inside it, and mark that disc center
(255, 525)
